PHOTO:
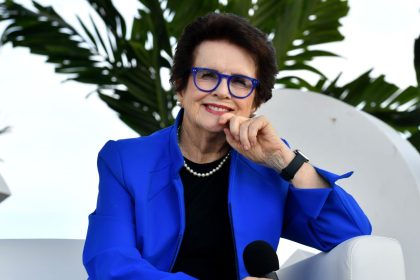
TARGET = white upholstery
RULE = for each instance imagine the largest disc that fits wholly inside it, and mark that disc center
(41, 259)
(360, 258)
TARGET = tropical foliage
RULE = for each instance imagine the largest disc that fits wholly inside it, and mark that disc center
(4, 129)
(126, 62)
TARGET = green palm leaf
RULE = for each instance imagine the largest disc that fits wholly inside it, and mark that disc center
(5, 129)
(44, 32)
(417, 60)
(380, 99)
(297, 26)
(107, 59)
(185, 11)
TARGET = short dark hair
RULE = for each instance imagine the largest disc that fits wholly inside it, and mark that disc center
(235, 30)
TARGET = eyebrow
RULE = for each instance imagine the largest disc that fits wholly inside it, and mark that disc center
(233, 73)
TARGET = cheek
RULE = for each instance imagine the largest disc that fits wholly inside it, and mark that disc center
(192, 101)
(193, 98)
(245, 107)
(191, 94)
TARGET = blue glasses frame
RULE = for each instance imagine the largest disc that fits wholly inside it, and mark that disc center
(220, 77)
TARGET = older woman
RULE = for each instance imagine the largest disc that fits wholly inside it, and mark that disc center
(184, 202)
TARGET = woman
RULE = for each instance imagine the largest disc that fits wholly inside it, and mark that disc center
(184, 202)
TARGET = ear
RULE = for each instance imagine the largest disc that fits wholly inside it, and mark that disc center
(180, 98)
(254, 108)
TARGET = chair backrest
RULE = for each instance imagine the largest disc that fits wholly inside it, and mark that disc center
(340, 138)
(41, 259)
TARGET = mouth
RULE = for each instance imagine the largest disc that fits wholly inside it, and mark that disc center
(217, 108)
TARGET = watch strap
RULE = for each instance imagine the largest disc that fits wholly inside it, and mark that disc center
(290, 170)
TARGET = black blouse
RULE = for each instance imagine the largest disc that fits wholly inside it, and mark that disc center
(207, 250)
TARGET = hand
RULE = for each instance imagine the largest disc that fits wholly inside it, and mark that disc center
(256, 139)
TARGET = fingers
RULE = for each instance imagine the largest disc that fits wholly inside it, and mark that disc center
(238, 128)
(231, 140)
(248, 131)
(243, 131)
(234, 126)
(243, 135)
(225, 118)
(256, 125)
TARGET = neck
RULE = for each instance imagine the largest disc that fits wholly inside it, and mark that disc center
(202, 147)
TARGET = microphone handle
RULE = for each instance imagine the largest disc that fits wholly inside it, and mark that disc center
(272, 275)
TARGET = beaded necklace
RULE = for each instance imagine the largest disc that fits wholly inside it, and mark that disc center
(205, 174)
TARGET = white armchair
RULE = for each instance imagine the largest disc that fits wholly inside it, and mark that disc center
(360, 258)
(41, 259)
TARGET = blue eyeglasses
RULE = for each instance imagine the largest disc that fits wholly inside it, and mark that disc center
(208, 80)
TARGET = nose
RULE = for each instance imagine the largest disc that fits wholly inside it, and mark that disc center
(222, 91)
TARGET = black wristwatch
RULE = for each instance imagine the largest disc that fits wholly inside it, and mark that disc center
(289, 171)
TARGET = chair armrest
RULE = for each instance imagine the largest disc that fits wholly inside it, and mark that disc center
(46, 259)
(359, 258)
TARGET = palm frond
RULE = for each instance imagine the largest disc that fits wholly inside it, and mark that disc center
(417, 60)
(45, 32)
(398, 108)
(5, 129)
(297, 27)
(107, 58)
(185, 11)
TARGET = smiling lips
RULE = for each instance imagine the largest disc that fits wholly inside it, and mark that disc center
(217, 109)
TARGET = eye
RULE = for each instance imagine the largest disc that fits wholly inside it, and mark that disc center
(239, 81)
(205, 74)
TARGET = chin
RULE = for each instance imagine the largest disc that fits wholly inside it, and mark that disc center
(213, 127)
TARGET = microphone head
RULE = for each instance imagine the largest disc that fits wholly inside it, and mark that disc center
(260, 259)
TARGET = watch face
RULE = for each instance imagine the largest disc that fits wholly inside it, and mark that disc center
(305, 157)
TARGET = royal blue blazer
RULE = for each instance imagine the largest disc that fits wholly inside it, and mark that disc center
(137, 227)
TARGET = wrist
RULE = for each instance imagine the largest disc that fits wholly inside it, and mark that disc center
(298, 161)
(280, 159)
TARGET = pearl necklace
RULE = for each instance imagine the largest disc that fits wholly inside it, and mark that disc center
(206, 174)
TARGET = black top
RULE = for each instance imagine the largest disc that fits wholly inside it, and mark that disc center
(207, 250)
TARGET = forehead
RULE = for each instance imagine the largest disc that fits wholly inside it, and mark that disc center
(224, 57)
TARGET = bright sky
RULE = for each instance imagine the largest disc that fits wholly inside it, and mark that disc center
(49, 158)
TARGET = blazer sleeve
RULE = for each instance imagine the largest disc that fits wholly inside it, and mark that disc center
(323, 218)
(110, 249)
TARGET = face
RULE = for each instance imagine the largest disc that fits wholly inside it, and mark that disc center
(202, 109)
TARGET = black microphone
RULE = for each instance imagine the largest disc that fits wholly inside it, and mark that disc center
(261, 260)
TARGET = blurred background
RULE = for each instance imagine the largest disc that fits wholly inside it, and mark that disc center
(48, 153)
